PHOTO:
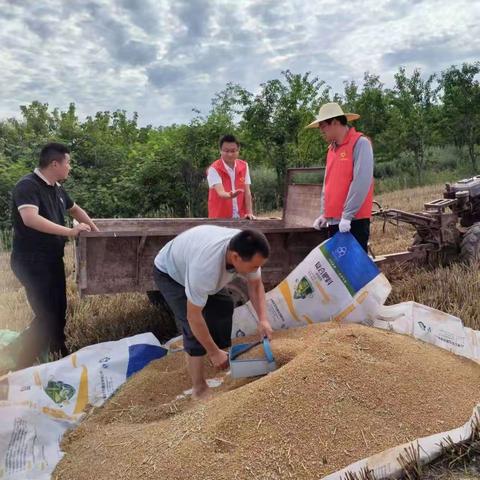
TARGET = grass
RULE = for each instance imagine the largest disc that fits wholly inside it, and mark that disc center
(5, 240)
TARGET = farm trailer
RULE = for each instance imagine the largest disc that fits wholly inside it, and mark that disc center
(120, 257)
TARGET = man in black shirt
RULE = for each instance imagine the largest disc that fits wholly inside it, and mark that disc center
(38, 211)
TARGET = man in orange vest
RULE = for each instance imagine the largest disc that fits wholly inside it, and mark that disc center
(347, 194)
(229, 182)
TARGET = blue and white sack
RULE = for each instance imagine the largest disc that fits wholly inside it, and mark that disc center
(336, 281)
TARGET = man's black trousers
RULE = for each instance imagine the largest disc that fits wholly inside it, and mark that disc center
(44, 282)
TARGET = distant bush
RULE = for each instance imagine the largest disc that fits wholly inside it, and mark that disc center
(264, 189)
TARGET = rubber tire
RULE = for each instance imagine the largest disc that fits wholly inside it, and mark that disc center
(470, 245)
(168, 325)
(238, 290)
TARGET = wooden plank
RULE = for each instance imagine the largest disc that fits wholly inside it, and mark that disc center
(399, 257)
(113, 266)
(157, 224)
(175, 230)
(303, 205)
(120, 256)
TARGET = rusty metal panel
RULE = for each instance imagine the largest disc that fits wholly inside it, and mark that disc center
(80, 256)
(116, 265)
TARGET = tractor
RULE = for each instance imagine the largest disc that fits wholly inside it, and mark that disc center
(448, 226)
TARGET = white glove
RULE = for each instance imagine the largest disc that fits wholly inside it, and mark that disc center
(344, 225)
(320, 222)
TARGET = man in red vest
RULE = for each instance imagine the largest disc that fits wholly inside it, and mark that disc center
(229, 182)
(347, 195)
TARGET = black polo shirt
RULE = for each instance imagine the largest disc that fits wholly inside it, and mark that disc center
(52, 202)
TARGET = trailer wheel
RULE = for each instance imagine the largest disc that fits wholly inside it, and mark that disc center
(169, 328)
(238, 290)
(470, 246)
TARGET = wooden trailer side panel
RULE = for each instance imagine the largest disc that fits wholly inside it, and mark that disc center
(120, 257)
(118, 264)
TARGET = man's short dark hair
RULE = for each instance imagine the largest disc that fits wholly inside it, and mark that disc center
(342, 119)
(52, 152)
(228, 139)
(249, 242)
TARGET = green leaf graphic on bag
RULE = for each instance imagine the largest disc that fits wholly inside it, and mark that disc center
(59, 392)
(303, 289)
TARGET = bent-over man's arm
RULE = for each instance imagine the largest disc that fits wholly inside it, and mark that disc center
(256, 292)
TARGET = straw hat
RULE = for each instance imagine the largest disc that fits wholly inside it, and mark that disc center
(331, 110)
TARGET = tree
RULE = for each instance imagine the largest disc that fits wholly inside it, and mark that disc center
(277, 116)
(412, 117)
(461, 108)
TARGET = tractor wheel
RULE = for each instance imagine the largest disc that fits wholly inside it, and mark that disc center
(238, 290)
(470, 246)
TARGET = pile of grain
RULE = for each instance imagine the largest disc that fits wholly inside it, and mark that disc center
(343, 393)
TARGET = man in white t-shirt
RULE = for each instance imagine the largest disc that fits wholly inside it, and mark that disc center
(229, 194)
(191, 272)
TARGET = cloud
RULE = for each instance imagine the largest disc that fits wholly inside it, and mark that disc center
(161, 76)
(398, 9)
(136, 53)
(194, 15)
(115, 35)
(43, 28)
(265, 12)
(145, 14)
(164, 57)
(437, 51)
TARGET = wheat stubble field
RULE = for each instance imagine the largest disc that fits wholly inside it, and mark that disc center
(453, 289)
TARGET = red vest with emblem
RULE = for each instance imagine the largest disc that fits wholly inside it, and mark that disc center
(339, 176)
(223, 207)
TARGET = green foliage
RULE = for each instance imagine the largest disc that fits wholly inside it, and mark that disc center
(276, 118)
(264, 189)
(421, 129)
(461, 108)
(412, 116)
(10, 173)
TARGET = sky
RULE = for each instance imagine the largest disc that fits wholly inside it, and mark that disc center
(164, 58)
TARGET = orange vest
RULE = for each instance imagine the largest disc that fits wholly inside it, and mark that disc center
(339, 176)
(223, 207)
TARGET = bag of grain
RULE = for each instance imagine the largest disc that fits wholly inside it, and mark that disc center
(39, 403)
(336, 281)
